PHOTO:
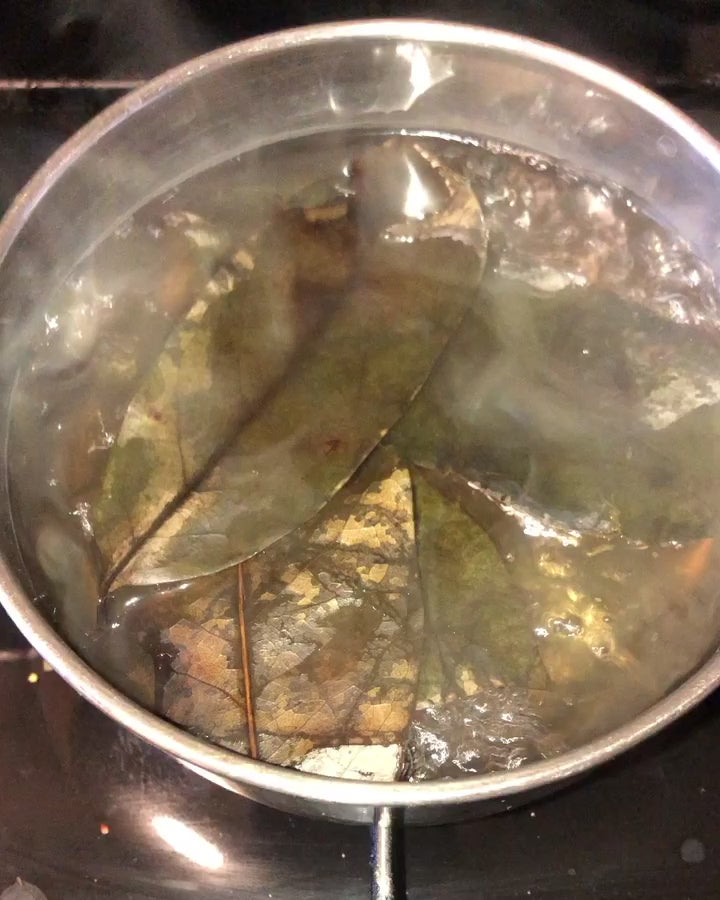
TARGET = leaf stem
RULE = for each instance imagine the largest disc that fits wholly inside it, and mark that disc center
(247, 674)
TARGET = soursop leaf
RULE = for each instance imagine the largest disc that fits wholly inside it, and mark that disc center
(317, 423)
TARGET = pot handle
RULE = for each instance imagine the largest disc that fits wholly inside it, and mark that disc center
(381, 855)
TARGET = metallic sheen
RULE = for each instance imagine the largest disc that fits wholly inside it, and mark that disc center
(381, 857)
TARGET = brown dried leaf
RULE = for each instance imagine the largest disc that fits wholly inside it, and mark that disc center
(329, 619)
(205, 688)
(335, 616)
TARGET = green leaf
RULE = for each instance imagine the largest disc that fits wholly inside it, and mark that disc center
(315, 426)
(234, 344)
(502, 395)
(480, 705)
(609, 625)
(677, 496)
(579, 404)
(456, 420)
(479, 620)
(664, 487)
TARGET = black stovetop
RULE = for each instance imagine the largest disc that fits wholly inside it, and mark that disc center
(87, 811)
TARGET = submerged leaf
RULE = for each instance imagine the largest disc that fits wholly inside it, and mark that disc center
(205, 690)
(616, 622)
(312, 645)
(663, 488)
(190, 638)
(449, 422)
(478, 619)
(335, 624)
(677, 497)
(160, 520)
(345, 391)
(234, 344)
(543, 398)
(478, 705)
(500, 396)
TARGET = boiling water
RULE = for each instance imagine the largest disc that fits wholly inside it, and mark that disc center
(383, 457)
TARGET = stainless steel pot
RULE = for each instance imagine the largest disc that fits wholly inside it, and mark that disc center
(411, 75)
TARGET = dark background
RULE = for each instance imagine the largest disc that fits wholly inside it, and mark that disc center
(78, 795)
(85, 38)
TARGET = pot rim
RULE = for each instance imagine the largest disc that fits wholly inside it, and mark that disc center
(226, 763)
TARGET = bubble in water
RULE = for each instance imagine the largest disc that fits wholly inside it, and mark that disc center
(666, 146)
(82, 512)
(692, 851)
